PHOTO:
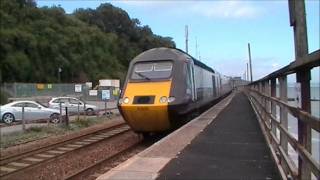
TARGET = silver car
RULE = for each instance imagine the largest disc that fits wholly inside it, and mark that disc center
(32, 111)
(73, 104)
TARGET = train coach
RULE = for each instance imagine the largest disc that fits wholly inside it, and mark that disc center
(163, 85)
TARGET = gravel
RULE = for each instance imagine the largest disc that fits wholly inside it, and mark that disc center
(70, 163)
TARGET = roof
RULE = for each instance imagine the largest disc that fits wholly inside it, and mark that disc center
(169, 53)
(23, 101)
(197, 62)
(64, 97)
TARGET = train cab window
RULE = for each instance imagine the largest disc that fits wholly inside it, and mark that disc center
(163, 66)
(152, 70)
(143, 67)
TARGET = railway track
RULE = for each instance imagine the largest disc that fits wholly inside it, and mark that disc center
(105, 164)
(27, 160)
(100, 167)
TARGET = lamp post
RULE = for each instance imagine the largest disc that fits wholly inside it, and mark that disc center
(59, 71)
(59, 79)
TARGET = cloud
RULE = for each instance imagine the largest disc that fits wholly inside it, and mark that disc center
(275, 65)
(261, 66)
(226, 9)
(211, 9)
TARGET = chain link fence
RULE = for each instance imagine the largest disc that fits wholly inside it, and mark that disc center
(40, 91)
(43, 93)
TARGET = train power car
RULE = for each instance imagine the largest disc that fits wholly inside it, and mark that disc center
(163, 84)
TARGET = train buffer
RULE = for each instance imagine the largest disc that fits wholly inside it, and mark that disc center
(225, 142)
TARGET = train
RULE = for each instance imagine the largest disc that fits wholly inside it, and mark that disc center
(163, 85)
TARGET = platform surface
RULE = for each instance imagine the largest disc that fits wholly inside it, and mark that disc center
(232, 147)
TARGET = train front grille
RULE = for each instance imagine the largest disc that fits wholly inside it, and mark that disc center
(143, 100)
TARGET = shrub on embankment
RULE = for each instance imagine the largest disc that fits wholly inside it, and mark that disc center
(89, 44)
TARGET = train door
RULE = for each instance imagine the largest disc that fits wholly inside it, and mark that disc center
(221, 85)
(194, 93)
(190, 81)
(214, 86)
(218, 84)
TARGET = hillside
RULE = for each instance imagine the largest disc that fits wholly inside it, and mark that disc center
(88, 45)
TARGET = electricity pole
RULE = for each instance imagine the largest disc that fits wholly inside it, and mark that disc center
(247, 72)
(186, 33)
(196, 48)
(250, 64)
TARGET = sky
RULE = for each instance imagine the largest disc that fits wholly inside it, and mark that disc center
(222, 29)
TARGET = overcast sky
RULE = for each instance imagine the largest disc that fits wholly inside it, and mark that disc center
(222, 29)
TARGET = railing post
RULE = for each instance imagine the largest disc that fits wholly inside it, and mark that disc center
(304, 130)
(60, 110)
(298, 21)
(85, 112)
(78, 114)
(267, 102)
(273, 104)
(67, 117)
(260, 97)
(283, 113)
(23, 119)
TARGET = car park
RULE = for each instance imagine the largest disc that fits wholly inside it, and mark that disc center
(32, 111)
(73, 105)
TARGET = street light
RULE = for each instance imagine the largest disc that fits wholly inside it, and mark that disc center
(59, 71)
(59, 79)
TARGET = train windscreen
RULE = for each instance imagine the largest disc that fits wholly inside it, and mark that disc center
(152, 70)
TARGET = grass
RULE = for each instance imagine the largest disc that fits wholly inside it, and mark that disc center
(40, 132)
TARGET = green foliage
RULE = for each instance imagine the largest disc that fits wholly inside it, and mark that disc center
(38, 132)
(3, 97)
(88, 44)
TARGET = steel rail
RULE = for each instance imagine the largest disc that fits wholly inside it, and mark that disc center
(44, 154)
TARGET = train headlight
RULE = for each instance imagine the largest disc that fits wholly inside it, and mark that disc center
(126, 100)
(171, 99)
(120, 101)
(163, 99)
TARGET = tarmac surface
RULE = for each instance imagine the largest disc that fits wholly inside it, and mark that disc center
(232, 147)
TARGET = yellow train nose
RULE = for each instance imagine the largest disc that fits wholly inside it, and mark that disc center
(143, 109)
(146, 118)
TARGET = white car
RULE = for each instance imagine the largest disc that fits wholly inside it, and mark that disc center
(32, 111)
(72, 104)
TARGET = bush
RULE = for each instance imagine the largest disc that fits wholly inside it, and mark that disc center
(4, 97)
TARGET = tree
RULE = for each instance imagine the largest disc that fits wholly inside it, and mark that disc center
(90, 44)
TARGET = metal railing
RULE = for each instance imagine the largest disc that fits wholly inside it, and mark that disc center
(262, 94)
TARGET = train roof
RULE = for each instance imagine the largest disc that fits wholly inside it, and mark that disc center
(169, 53)
(197, 62)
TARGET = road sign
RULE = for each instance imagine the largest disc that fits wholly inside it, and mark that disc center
(77, 88)
(105, 94)
(89, 84)
(93, 92)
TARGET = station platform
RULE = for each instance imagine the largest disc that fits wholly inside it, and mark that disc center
(225, 142)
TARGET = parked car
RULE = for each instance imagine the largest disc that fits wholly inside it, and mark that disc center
(32, 111)
(73, 104)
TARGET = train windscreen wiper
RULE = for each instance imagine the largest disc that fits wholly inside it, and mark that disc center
(142, 75)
